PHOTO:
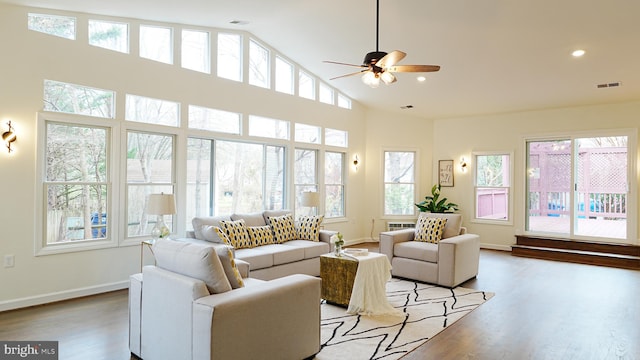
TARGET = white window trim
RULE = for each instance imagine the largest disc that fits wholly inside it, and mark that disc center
(113, 225)
(416, 178)
(509, 220)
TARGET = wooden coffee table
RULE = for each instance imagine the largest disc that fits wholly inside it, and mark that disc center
(338, 274)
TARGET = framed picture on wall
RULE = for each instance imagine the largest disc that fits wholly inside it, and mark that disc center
(445, 173)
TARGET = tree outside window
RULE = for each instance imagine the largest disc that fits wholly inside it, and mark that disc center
(492, 186)
(399, 183)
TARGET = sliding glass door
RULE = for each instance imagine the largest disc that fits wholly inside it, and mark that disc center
(578, 187)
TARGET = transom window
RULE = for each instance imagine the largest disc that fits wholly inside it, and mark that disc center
(109, 35)
(77, 99)
(196, 52)
(153, 111)
(306, 86)
(214, 120)
(61, 26)
(269, 128)
(230, 56)
(284, 76)
(258, 65)
(156, 43)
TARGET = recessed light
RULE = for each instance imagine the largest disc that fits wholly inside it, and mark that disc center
(578, 53)
(421, 78)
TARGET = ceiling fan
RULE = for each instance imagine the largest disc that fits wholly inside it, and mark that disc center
(379, 65)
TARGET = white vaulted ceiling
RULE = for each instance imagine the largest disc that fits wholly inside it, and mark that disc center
(496, 55)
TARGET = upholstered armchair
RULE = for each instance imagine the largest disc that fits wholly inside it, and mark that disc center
(451, 259)
(194, 305)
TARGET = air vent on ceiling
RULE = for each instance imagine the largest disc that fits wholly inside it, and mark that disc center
(238, 22)
(608, 85)
(406, 107)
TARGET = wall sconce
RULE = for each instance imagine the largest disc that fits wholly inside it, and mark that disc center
(356, 162)
(463, 165)
(9, 136)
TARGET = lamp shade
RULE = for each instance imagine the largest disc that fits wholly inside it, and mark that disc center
(161, 204)
(310, 199)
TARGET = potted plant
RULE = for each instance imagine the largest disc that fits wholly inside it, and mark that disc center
(434, 204)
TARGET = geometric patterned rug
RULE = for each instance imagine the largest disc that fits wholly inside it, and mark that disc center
(428, 309)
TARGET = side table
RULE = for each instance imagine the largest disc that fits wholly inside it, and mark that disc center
(338, 275)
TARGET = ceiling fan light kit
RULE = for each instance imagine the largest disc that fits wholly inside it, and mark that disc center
(380, 66)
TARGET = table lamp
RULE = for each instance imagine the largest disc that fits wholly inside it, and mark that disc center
(161, 205)
(310, 199)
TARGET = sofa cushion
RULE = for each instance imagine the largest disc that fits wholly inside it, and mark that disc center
(193, 260)
(202, 227)
(237, 233)
(261, 235)
(308, 227)
(429, 229)
(225, 254)
(454, 223)
(312, 249)
(250, 219)
(283, 228)
(256, 258)
(282, 254)
(417, 250)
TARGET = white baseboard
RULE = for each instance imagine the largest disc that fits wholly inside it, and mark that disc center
(61, 295)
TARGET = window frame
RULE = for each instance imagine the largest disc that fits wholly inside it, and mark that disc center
(416, 172)
(41, 247)
(509, 188)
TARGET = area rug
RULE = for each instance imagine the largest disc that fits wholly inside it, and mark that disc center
(427, 309)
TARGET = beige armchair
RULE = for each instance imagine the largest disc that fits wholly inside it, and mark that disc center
(450, 262)
(187, 309)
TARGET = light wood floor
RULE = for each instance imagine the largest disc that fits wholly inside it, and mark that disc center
(541, 310)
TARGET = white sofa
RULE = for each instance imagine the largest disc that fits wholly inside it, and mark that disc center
(450, 262)
(271, 261)
(175, 312)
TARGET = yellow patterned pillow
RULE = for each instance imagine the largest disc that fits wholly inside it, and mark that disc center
(309, 227)
(236, 231)
(429, 229)
(283, 228)
(225, 254)
(261, 235)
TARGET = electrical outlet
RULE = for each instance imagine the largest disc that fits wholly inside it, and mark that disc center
(9, 261)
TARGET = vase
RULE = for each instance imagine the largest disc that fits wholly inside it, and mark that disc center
(337, 251)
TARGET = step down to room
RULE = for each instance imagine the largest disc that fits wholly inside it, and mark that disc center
(612, 255)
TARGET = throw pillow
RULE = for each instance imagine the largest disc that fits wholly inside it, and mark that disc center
(309, 227)
(261, 235)
(429, 229)
(283, 228)
(193, 260)
(225, 254)
(236, 231)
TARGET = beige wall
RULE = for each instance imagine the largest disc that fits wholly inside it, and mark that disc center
(29, 57)
(455, 138)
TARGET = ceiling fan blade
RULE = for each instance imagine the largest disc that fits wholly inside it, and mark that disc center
(341, 63)
(391, 59)
(414, 68)
(351, 74)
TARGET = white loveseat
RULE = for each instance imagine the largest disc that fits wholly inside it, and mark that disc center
(192, 306)
(451, 261)
(271, 261)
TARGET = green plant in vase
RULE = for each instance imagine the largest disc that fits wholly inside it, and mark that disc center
(434, 204)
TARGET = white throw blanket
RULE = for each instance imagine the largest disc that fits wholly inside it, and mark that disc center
(369, 296)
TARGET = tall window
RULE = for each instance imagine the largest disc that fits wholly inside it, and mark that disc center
(399, 182)
(156, 43)
(150, 170)
(334, 184)
(109, 35)
(230, 56)
(196, 52)
(492, 187)
(284, 76)
(305, 177)
(258, 65)
(76, 187)
(246, 177)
